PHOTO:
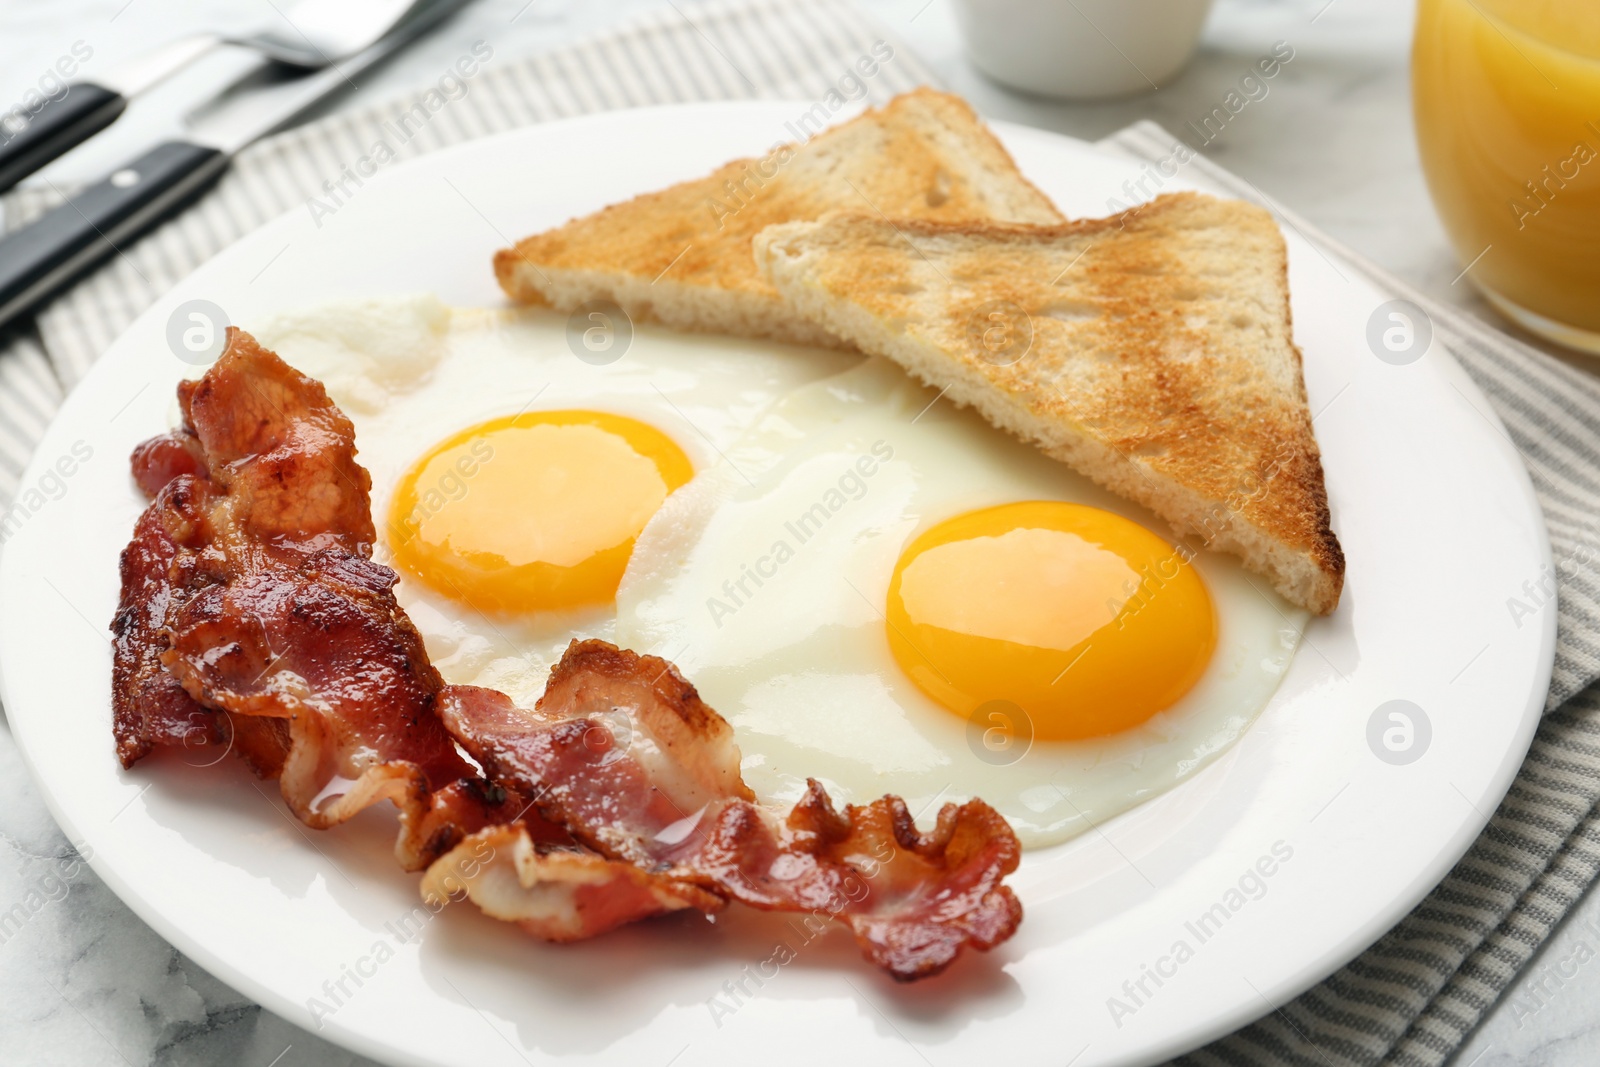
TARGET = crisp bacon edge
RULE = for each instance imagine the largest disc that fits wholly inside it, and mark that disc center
(670, 801)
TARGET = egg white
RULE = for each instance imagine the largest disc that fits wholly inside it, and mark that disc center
(410, 372)
(766, 576)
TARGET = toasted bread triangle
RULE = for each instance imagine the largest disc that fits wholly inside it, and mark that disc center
(681, 256)
(1152, 351)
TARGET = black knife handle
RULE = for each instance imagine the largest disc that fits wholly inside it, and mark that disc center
(45, 256)
(29, 140)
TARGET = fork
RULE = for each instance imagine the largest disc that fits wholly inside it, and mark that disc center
(314, 34)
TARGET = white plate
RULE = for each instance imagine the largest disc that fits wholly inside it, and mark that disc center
(1433, 506)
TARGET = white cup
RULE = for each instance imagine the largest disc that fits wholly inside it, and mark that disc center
(1081, 49)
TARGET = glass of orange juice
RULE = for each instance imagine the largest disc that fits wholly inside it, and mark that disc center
(1507, 101)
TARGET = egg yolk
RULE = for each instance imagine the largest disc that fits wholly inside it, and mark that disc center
(1086, 621)
(534, 511)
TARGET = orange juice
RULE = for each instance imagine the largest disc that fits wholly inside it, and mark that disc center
(1507, 102)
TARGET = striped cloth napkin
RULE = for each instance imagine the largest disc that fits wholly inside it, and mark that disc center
(1412, 997)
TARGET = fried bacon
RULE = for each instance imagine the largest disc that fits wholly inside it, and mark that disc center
(663, 793)
(161, 459)
(559, 892)
(252, 616)
(148, 705)
(252, 613)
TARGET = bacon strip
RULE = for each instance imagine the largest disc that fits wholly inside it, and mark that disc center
(556, 892)
(253, 616)
(148, 705)
(667, 797)
(249, 590)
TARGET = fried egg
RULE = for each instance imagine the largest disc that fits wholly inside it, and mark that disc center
(887, 594)
(514, 460)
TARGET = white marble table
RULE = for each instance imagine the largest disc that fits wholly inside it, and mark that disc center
(84, 982)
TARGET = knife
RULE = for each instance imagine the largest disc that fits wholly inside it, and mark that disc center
(84, 109)
(44, 257)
